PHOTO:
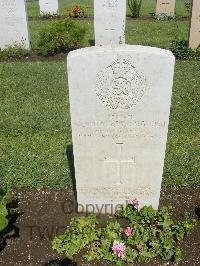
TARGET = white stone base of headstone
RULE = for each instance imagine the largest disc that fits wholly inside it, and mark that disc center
(120, 104)
(13, 24)
(48, 7)
(109, 22)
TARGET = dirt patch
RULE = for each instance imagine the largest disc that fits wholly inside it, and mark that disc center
(153, 18)
(57, 17)
(180, 18)
(45, 213)
(34, 56)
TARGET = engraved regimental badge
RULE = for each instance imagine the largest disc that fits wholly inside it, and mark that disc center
(120, 86)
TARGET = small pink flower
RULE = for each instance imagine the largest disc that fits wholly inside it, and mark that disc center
(134, 202)
(128, 231)
(118, 249)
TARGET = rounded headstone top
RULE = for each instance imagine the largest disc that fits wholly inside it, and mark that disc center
(120, 48)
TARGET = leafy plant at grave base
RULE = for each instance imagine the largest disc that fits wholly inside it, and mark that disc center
(135, 7)
(149, 233)
(5, 217)
(188, 6)
(196, 53)
(180, 48)
(60, 36)
(164, 16)
(153, 14)
(15, 51)
(49, 15)
(76, 12)
(80, 234)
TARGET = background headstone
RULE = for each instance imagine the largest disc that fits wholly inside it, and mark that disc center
(48, 7)
(109, 21)
(119, 129)
(165, 7)
(13, 24)
(195, 25)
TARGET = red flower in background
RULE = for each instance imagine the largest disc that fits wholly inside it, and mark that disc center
(75, 12)
(75, 9)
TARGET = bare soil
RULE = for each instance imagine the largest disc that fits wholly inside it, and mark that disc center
(44, 213)
(179, 18)
(34, 56)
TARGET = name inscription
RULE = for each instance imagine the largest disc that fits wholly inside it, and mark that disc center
(117, 191)
(110, 3)
(120, 129)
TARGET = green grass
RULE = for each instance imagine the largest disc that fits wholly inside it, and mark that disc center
(32, 7)
(149, 6)
(35, 125)
(182, 157)
(35, 121)
(154, 33)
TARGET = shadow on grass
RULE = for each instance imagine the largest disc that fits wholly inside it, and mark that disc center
(65, 262)
(70, 158)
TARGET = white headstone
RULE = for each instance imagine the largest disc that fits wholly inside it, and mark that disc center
(165, 7)
(109, 22)
(48, 7)
(13, 24)
(195, 25)
(120, 104)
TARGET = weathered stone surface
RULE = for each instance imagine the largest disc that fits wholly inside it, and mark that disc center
(120, 103)
(109, 21)
(195, 25)
(13, 24)
(48, 7)
(165, 7)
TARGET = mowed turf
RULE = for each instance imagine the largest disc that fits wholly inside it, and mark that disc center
(144, 32)
(148, 7)
(35, 128)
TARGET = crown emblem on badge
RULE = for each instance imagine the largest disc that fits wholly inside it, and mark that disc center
(120, 86)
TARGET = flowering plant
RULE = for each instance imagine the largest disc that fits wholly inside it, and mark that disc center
(118, 249)
(128, 231)
(134, 202)
(150, 233)
(76, 12)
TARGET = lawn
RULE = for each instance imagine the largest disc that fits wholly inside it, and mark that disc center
(35, 120)
(148, 7)
(35, 125)
(36, 149)
(145, 32)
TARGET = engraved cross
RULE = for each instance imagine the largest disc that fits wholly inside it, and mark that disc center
(120, 169)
